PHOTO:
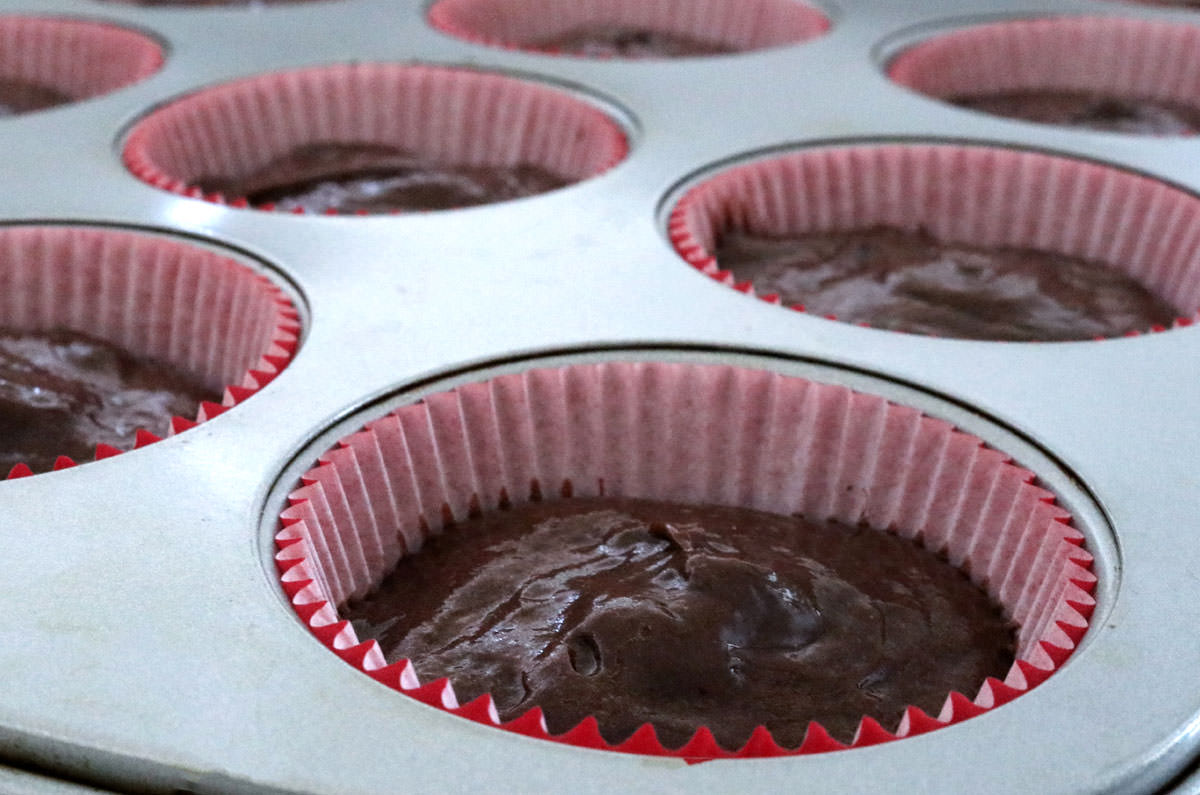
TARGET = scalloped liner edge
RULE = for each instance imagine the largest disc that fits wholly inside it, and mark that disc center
(149, 174)
(144, 169)
(694, 253)
(280, 350)
(336, 635)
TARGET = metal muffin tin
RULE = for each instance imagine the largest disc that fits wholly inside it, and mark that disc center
(146, 645)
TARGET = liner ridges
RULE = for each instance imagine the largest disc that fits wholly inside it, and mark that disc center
(442, 113)
(156, 298)
(958, 194)
(743, 25)
(461, 449)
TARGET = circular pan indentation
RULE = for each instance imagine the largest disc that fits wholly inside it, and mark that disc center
(373, 138)
(1106, 74)
(693, 427)
(178, 307)
(47, 62)
(623, 29)
(1136, 232)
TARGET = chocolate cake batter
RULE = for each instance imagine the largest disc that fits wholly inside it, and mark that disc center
(1089, 111)
(20, 96)
(62, 393)
(376, 178)
(907, 281)
(614, 41)
(683, 616)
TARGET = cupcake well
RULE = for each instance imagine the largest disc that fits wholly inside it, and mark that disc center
(973, 195)
(1130, 59)
(445, 115)
(76, 58)
(722, 434)
(738, 26)
(156, 298)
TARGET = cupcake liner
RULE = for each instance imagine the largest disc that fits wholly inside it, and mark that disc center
(694, 434)
(1165, 3)
(158, 299)
(1126, 58)
(76, 58)
(740, 26)
(448, 115)
(972, 195)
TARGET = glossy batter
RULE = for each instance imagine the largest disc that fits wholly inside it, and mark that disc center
(1089, 111)
(614, 41)
(20, 96)
(683, 616)
(376, 178)
(62, 393)
(907, 281)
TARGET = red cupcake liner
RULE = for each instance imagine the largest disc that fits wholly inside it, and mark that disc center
(973, 195)
(159, 299)
(449, 115)
(683, 433)
(1124, 58)
(741, 26)
(76, 58)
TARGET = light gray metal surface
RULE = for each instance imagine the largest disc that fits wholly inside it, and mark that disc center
(146, 645)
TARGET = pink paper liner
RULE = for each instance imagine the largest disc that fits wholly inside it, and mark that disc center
(741, 25)
(77, 58)
(450, 115)
(687, 433)
(1164, 4)
(973, 195)
(190, 307)
(1129, 58)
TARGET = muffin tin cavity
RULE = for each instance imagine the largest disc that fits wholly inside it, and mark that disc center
(46, 62)
(630, 28)
(695, 432)
(373, 138)
(1097, 73)
(196, 316)
(1127, 259)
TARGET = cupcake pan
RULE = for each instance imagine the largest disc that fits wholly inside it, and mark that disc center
(148, 645)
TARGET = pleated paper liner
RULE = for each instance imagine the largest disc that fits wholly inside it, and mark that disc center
(734, 25)
(1192, 4)
(450, 116)
(1127, 59)
(74, 59)
(970, 195)
(690, 433)
(207, 315)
